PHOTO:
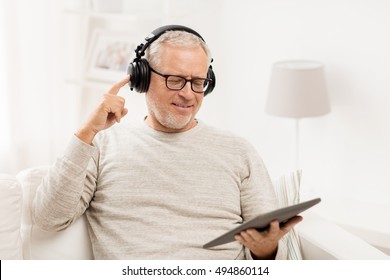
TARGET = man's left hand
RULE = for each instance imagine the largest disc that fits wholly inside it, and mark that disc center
(264, 244)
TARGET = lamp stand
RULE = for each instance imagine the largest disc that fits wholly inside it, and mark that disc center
(297, 144)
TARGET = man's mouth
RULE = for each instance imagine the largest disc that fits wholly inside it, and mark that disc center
(182, 105)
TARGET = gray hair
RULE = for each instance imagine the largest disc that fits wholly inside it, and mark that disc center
(174, 38)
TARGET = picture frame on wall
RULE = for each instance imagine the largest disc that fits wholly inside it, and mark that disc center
(109, 54)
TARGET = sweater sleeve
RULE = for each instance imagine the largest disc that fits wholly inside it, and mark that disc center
(67, 189)
(257, 193)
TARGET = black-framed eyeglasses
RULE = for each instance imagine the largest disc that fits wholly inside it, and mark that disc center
(173, 82)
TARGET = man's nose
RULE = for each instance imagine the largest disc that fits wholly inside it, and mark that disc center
(186, 91)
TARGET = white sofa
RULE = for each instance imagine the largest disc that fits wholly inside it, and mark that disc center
(21, 239)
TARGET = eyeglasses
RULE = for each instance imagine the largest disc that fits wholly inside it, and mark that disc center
(173, 82)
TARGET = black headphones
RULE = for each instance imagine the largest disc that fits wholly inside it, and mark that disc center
(139, 69)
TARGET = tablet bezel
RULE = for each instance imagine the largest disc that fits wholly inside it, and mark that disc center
(262, 221)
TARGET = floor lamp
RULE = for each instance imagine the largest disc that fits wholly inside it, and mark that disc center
(297, 90)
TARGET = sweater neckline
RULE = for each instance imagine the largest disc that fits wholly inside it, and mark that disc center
(169, 135)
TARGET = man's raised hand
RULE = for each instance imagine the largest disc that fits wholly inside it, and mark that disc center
(110, 110)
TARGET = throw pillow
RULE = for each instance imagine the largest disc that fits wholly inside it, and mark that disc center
(287, 190)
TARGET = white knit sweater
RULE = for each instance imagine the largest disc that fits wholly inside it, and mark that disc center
(155, 195)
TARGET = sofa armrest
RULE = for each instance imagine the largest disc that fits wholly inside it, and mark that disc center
(10, 218)
(321, 239)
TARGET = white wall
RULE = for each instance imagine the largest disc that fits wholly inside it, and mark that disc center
(344, 154)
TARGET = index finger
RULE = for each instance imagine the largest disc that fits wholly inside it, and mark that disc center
(116, 87)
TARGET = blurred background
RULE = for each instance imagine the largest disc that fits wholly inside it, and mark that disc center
(52, 76)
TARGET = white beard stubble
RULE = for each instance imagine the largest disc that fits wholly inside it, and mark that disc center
(167, 118)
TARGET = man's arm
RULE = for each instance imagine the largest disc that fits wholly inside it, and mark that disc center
(66, 191)
(257, 197)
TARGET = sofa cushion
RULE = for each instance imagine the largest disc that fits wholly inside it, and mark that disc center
(10, 218)
(287, 190)
(72, 243)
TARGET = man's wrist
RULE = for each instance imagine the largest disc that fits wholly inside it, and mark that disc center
(86, 135)
(271, 256)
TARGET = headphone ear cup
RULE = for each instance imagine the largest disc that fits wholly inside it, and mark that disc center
(139, 72)
(210, 75)
(144, 76)
(132, 70)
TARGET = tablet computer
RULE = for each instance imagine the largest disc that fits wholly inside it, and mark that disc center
(262, 221)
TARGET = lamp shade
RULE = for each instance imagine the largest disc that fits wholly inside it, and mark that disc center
(298, 90)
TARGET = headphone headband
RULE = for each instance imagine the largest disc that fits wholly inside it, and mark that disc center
(155, 34)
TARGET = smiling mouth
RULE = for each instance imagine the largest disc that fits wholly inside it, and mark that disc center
(182, 106)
